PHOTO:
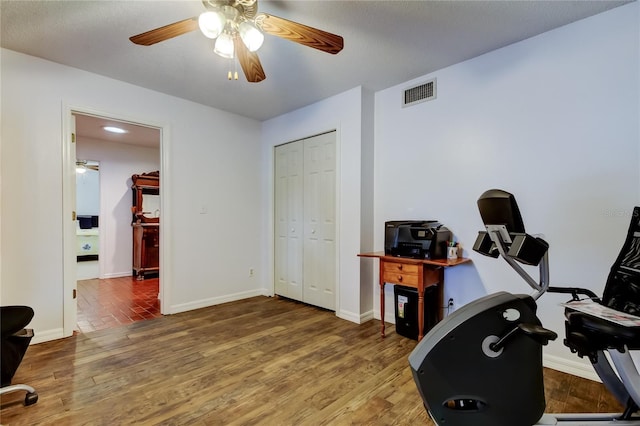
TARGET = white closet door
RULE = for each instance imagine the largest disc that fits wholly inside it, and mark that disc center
(281, 225)
(320, 220)
(289, 224)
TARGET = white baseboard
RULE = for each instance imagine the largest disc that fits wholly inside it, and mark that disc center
(578, 367)
(204, 303)
(366, 316)
(47, 335)
(117, 275)
(354, 317)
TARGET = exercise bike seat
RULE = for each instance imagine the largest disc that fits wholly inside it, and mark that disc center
(587, 334)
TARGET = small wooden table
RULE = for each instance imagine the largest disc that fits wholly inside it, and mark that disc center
(416, 273)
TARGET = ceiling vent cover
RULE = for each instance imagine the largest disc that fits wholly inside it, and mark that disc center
(421, 93)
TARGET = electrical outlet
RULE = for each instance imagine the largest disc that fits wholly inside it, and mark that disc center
(250, 272)
(450, 304)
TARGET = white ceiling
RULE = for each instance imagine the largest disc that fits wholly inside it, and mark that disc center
(386, 43)
(92, 127)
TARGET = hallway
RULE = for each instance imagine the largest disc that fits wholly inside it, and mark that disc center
(113, 302)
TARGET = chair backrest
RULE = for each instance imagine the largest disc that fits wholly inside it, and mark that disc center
(499, 207)
(14, 318)
(622, 290)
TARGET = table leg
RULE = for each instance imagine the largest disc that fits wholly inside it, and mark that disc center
(420, 313)
(381, 307)
(440, 294)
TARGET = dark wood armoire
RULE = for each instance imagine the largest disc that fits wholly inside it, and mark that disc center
(146, 224)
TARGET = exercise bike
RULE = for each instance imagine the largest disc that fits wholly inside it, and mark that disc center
(482, 365)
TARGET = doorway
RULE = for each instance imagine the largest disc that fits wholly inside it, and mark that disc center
(88, 215)
(113, 297)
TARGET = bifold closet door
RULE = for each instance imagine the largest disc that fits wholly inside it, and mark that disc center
(288, 215)
(305, 224)
(319, 251)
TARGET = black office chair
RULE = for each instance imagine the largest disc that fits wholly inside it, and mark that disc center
(14, 344)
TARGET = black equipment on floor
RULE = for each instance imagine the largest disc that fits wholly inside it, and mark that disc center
(15, 342)
(482, 365)
(406, 310)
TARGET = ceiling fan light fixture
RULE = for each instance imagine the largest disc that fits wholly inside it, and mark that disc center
(251, 36)
(237, 21)
(81, 167)
(114, 129)
(224, 46)
(211, 23)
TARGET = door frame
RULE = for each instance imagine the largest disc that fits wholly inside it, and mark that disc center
(69, 270)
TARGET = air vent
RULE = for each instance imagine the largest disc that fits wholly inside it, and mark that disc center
(421, 93)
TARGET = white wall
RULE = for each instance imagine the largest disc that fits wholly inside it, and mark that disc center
(118, 162)
(213, 161)
(554, 120)
(344, 113)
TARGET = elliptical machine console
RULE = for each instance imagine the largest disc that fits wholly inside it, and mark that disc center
(482, 365)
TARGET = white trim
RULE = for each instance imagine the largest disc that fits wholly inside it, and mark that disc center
(69, 255)
(270, 267)
(102, 232)
(578, 367)
(205, 303)
(68, 194)
(116, 275)
(165, 255)
(47, 335)
(355, 317)
(337, 209)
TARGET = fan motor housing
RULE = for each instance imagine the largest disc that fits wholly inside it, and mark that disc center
(248, 8)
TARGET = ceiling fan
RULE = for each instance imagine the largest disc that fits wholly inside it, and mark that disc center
(83, 165)
(238, 30)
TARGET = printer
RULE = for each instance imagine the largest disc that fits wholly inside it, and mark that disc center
(418, 239)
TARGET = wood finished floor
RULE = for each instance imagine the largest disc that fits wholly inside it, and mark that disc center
(112, 302)
(264, 361)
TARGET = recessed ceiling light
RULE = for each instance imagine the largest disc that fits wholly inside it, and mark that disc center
(113, 129)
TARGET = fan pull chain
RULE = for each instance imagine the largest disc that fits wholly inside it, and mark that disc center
(233, 75)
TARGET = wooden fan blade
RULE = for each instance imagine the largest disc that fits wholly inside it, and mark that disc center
(165, 33)
(303, 34)
(249, 62)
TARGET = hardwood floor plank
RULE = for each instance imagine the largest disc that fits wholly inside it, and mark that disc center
(262, 361)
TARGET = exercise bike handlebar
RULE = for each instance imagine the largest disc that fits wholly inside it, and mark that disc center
(516, 248)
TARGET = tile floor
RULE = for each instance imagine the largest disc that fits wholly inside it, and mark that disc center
(113, 302)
